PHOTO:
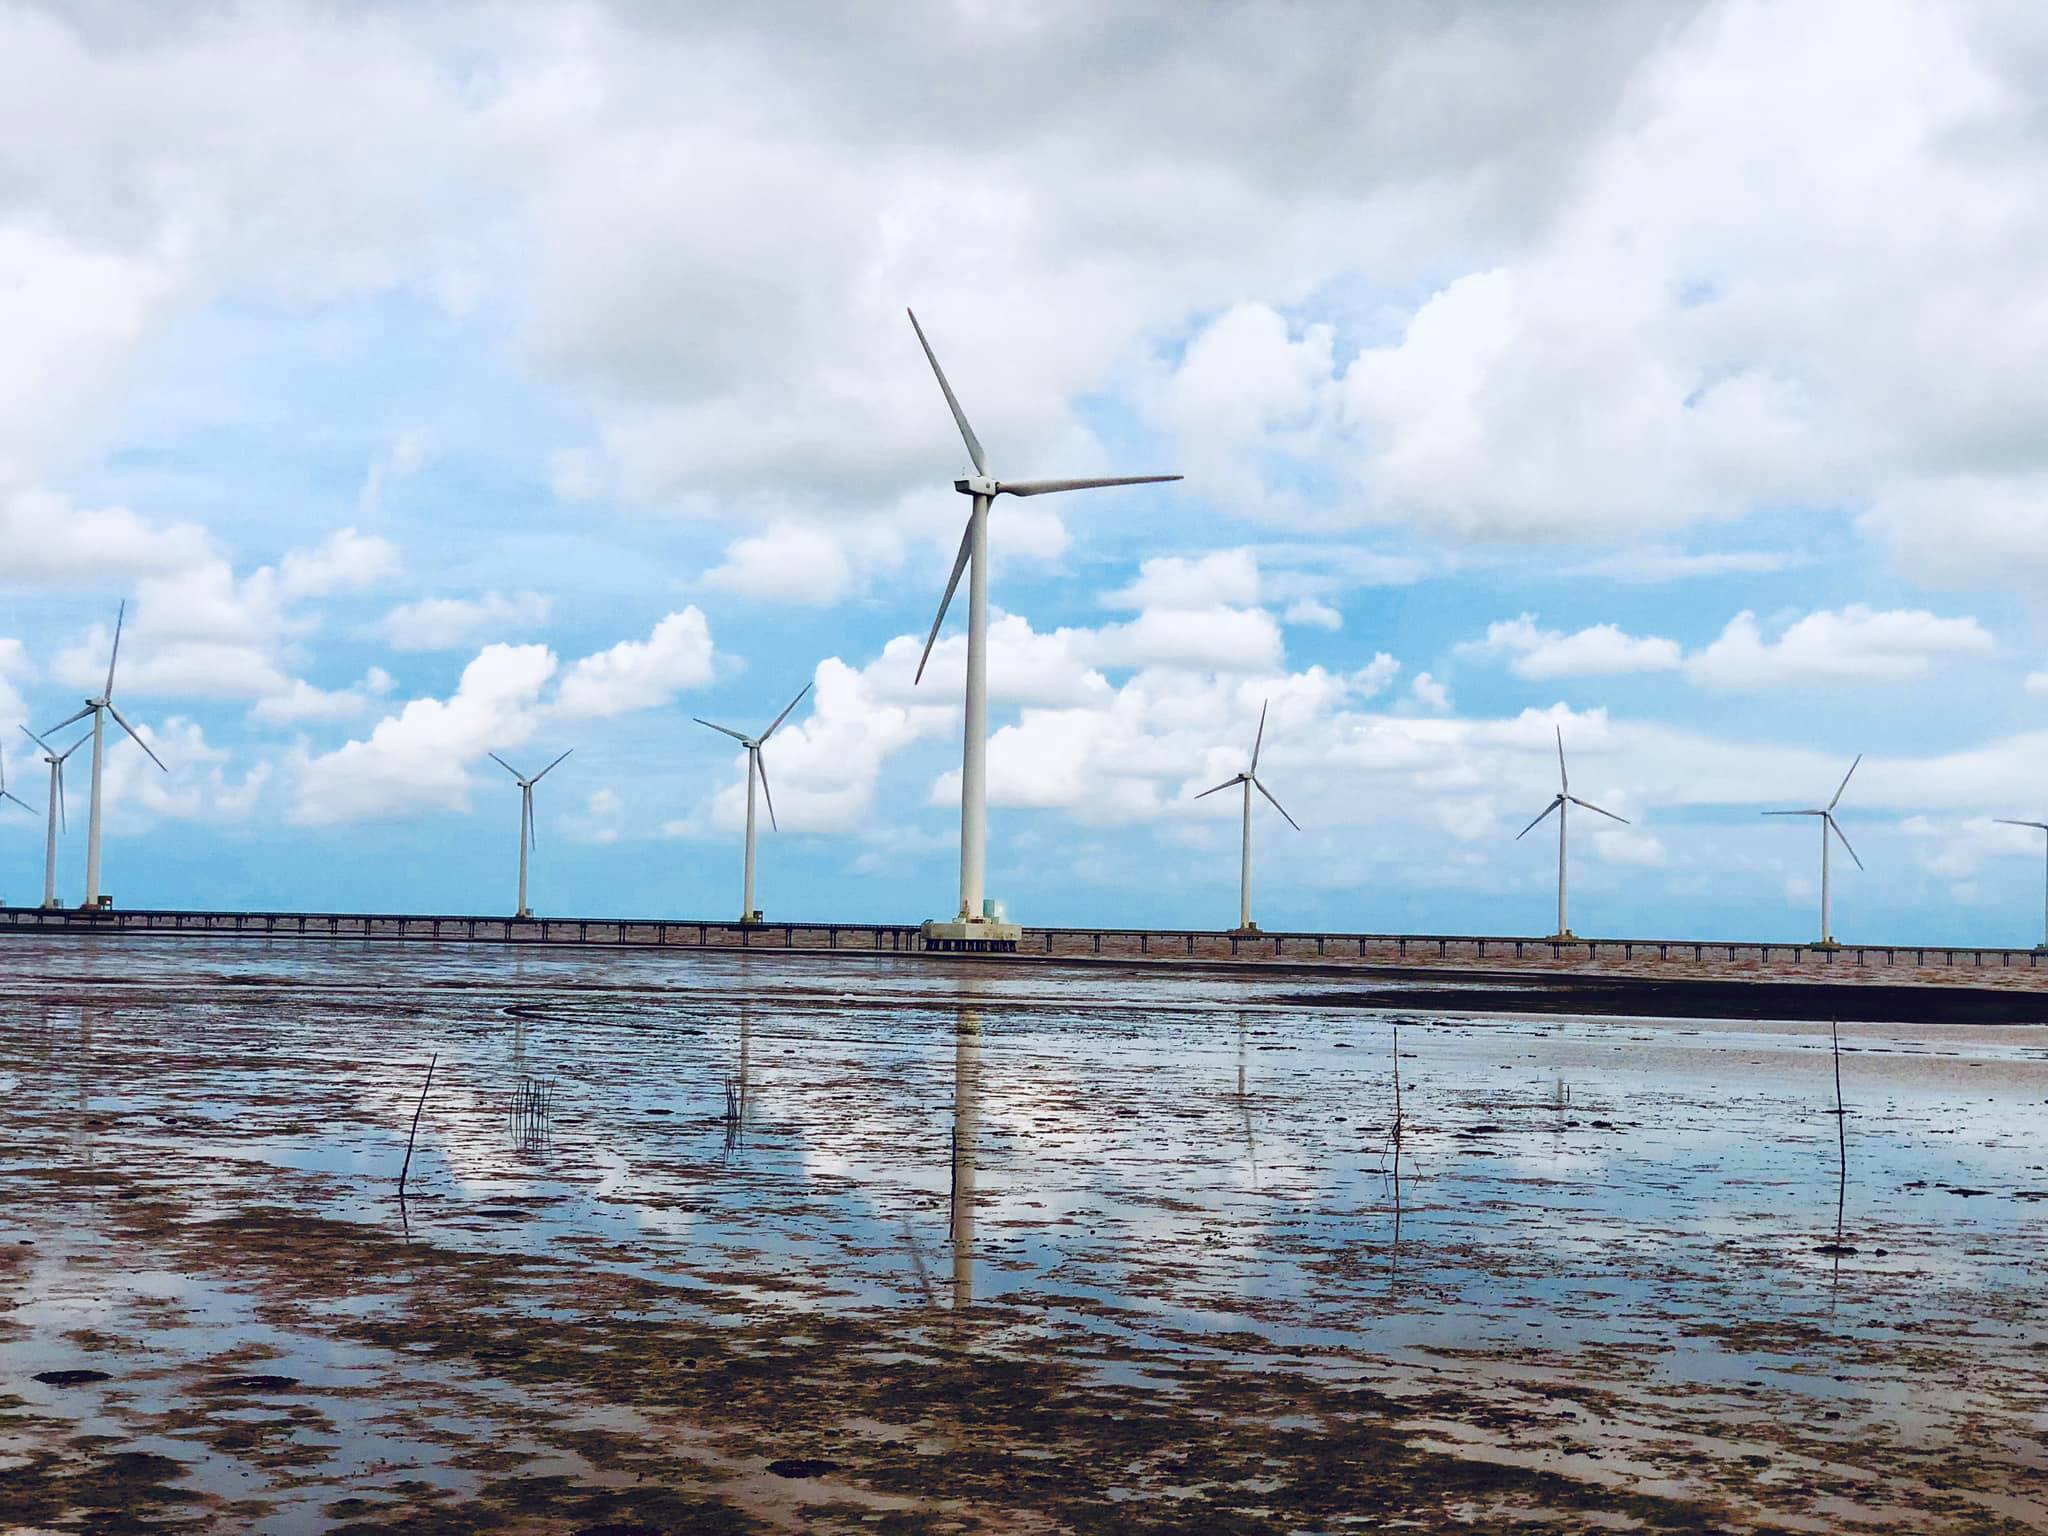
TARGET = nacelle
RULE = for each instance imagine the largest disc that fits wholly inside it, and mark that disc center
(978, 485)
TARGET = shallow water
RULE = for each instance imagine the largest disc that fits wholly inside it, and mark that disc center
(1602, 1256)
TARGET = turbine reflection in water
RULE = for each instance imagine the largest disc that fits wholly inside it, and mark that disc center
(966, 1126)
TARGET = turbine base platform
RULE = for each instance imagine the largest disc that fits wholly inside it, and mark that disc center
(972, 936)
(752, 919)
(1246, 930)
(1826, 944)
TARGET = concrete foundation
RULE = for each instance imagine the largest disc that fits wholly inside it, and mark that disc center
(978, 935)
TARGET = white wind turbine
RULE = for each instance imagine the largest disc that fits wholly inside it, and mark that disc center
(55, 809)
(2043, 826)
(99, 709)
(757, 767)
(526, 838)
(1249, 779)
(1828, 823)
(973, 926)
(1562, 803)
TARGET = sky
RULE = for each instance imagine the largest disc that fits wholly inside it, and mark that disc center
(436, 380)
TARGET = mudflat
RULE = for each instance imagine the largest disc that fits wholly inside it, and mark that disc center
(714, 1242)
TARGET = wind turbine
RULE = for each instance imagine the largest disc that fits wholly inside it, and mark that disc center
(1249, 779)
(757, 767)
(55, 810)
(1562, 803)
(1827, 821)
(2043, 826)
(975, 927)
(526, 838)
(99, 709)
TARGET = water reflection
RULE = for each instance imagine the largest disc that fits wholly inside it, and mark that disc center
(738, 1085)
(1244, 1103)
(966, 1127)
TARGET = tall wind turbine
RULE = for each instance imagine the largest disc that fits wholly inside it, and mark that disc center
(99, 709)
(757, 767)
(1827, 822)
(1249, 780)
(55, 809)
(1562, 802)
(2043, 826)
(974, 928)
(526, 838)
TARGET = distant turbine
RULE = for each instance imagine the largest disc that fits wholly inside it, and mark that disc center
(1562, 803)
(55, 809)
(2043, 826)
(1827, 822)
(526, 838)
(757, 767)
(983, 488)
(1250, 781)
(99, 709)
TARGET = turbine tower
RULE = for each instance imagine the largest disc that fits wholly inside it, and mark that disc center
(54, 811)
(99, 709)
(526, 838)
(976, 927)
(1562, 802)
(757, 767)
(1827, 822)
(2041, 947)
(1249, 780)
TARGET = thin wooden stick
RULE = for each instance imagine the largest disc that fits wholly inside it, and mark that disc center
(407, 1167)
(1841, 1131)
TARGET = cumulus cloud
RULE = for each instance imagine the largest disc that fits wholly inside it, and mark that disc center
(449, 623)
(1599, 651)
(418, 760)
(1856, 644)
(640, 674)
(303, 703)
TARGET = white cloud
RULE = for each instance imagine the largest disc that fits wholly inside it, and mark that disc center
(348, 562)
(789, 563)
(1225, 577)
(1653, 564)
(302, 702)
(1429, 693)
(52, 542)
(449, 623)
(1856, 644)
(1599, 651)
(417, 761)
(15, 669)
(640, 674)
(1313, 613)
(2037, 684)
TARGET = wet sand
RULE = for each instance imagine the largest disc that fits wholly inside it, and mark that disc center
(707, 1242)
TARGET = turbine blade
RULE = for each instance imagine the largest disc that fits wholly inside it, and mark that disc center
(1845, 782)
(136, 737)
(67, 720)
(785, 714)
(2043, 825)
(549, 769)
(1845, 841)
(1564, 781)
(1259, 740)
(74, 746)
(973, 443)
(8, 794)
(1276, 804)
(504, 765)
(1226, 784)
(116, 656)
(526, 814)
(952, 586)
(761, 763)
(63, 825)
(1794, 813)
(723, 730)
(32, 736)
(1589, 805)
(1047, 487)
(1539, 816)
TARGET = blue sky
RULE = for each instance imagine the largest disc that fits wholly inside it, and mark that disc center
(433, 382)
